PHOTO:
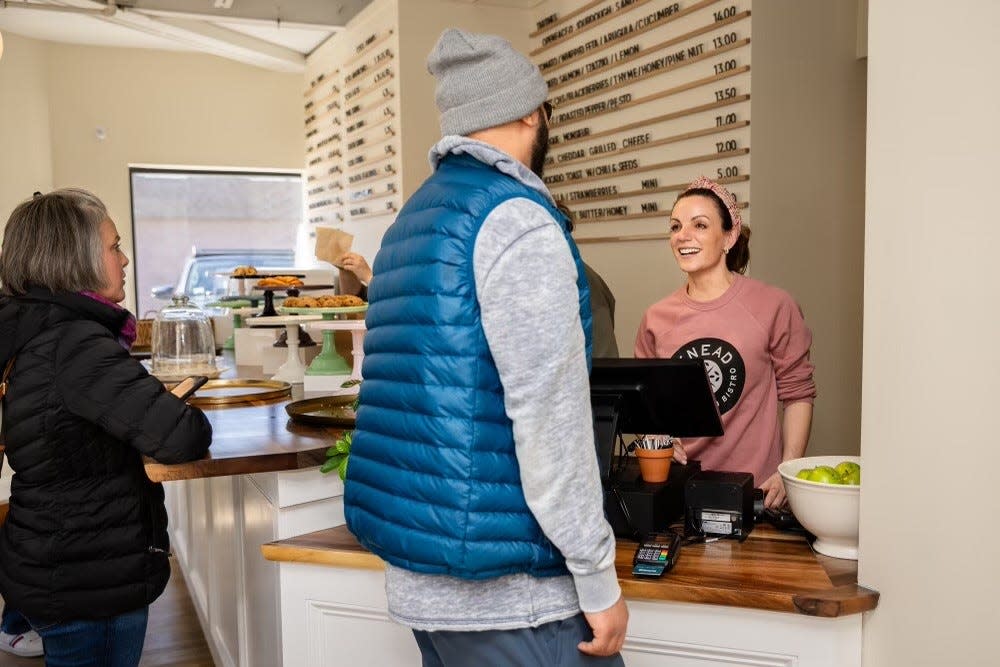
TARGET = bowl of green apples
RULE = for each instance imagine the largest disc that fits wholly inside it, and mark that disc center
(824, 493)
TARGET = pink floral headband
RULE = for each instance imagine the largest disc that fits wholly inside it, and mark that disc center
(725, 195)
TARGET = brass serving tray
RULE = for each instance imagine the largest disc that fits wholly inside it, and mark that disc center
(323, 411)
(236, 391)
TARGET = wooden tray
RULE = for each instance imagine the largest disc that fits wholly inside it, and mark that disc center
(324, 411)
(234, 392)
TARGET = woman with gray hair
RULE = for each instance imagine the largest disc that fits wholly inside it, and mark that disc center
(83, 551)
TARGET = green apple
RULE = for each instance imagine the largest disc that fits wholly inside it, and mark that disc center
(825, 475)
(853, 477)
(845, 467)
(803, 474)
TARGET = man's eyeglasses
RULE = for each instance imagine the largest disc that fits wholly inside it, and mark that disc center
(547, 110)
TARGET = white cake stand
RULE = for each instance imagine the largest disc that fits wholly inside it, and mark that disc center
(293, 370)
(357, 329)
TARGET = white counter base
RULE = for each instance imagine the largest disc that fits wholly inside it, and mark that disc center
(217, 526)
(336, 616)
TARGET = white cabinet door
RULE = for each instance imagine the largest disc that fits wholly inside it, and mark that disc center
(225, 570)
(263, 621)
(337, 616)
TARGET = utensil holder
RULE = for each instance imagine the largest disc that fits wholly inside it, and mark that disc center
(654, 464)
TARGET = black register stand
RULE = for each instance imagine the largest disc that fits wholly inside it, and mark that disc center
(647, 397)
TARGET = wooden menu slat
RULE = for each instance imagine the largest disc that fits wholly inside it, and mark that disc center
(663, 93)
(369, 89)
(684, 136)
(371, 197)
(620, 239)
(368, 48)
(654, 120)
(657, 72)
(668, 19)
(593, 24)
(642, 53)
(376, 214)
(634, 216)
(661, 165)
(327, 78)
(567, 17)
(674, 187)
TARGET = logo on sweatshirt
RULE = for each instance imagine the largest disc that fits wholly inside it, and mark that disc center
(726, 371)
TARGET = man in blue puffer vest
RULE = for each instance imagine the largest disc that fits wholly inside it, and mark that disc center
(473, 471)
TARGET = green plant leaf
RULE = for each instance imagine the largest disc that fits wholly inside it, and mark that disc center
(342, 468)
(329, 466)
(336, 457)
(350, 383)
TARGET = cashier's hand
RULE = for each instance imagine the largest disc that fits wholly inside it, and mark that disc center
(774, 491)
(609, 630)
(679, 454)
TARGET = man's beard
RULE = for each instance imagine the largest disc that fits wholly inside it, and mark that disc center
(540, 149)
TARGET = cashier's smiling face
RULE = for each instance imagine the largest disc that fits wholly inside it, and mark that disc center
(697, 237)
(114, 261)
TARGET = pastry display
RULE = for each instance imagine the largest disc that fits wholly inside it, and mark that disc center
(242, 271)
(323, 301)
(278, 282)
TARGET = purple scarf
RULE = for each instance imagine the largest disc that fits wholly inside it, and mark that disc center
(128, 331)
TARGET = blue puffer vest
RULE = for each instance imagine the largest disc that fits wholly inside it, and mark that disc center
(433, 484)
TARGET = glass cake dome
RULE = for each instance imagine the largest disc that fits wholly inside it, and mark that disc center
(182, 342)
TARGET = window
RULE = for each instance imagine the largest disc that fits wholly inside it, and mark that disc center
(190, 228)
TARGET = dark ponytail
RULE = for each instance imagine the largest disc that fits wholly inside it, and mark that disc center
(738, 257)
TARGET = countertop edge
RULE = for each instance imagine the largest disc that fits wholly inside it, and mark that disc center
(843, 600)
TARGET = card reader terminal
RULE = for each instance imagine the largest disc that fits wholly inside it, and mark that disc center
(656, 554)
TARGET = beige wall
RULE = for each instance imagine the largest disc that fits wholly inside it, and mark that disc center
(807, 191)
(161, 107)
(931, 319)
(25, 146)
(156, 107)
(421, 23)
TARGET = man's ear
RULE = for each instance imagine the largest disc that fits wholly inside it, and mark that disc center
(532, 119)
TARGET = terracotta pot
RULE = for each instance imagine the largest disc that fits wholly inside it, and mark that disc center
(654, 464)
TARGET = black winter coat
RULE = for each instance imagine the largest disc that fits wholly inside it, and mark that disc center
(86, 536)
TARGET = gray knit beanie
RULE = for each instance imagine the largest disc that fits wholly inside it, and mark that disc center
(482, 82)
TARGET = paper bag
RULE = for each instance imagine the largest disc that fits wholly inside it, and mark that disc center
(332, 245)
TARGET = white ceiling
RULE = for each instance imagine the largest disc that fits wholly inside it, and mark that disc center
(275, 34)
(267, 33)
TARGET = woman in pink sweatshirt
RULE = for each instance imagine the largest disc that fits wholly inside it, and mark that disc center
(751, 337)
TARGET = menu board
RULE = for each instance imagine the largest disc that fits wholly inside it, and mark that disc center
(352, 147)
(647, 96)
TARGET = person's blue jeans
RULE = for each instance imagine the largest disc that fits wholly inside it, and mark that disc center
(108, 642)
(13, 622)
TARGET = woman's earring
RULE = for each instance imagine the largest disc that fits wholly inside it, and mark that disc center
(725, 251)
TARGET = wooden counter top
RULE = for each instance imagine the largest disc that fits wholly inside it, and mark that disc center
(251, 438)
(770, 570)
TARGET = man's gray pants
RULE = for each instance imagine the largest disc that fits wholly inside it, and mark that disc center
(549, 645)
